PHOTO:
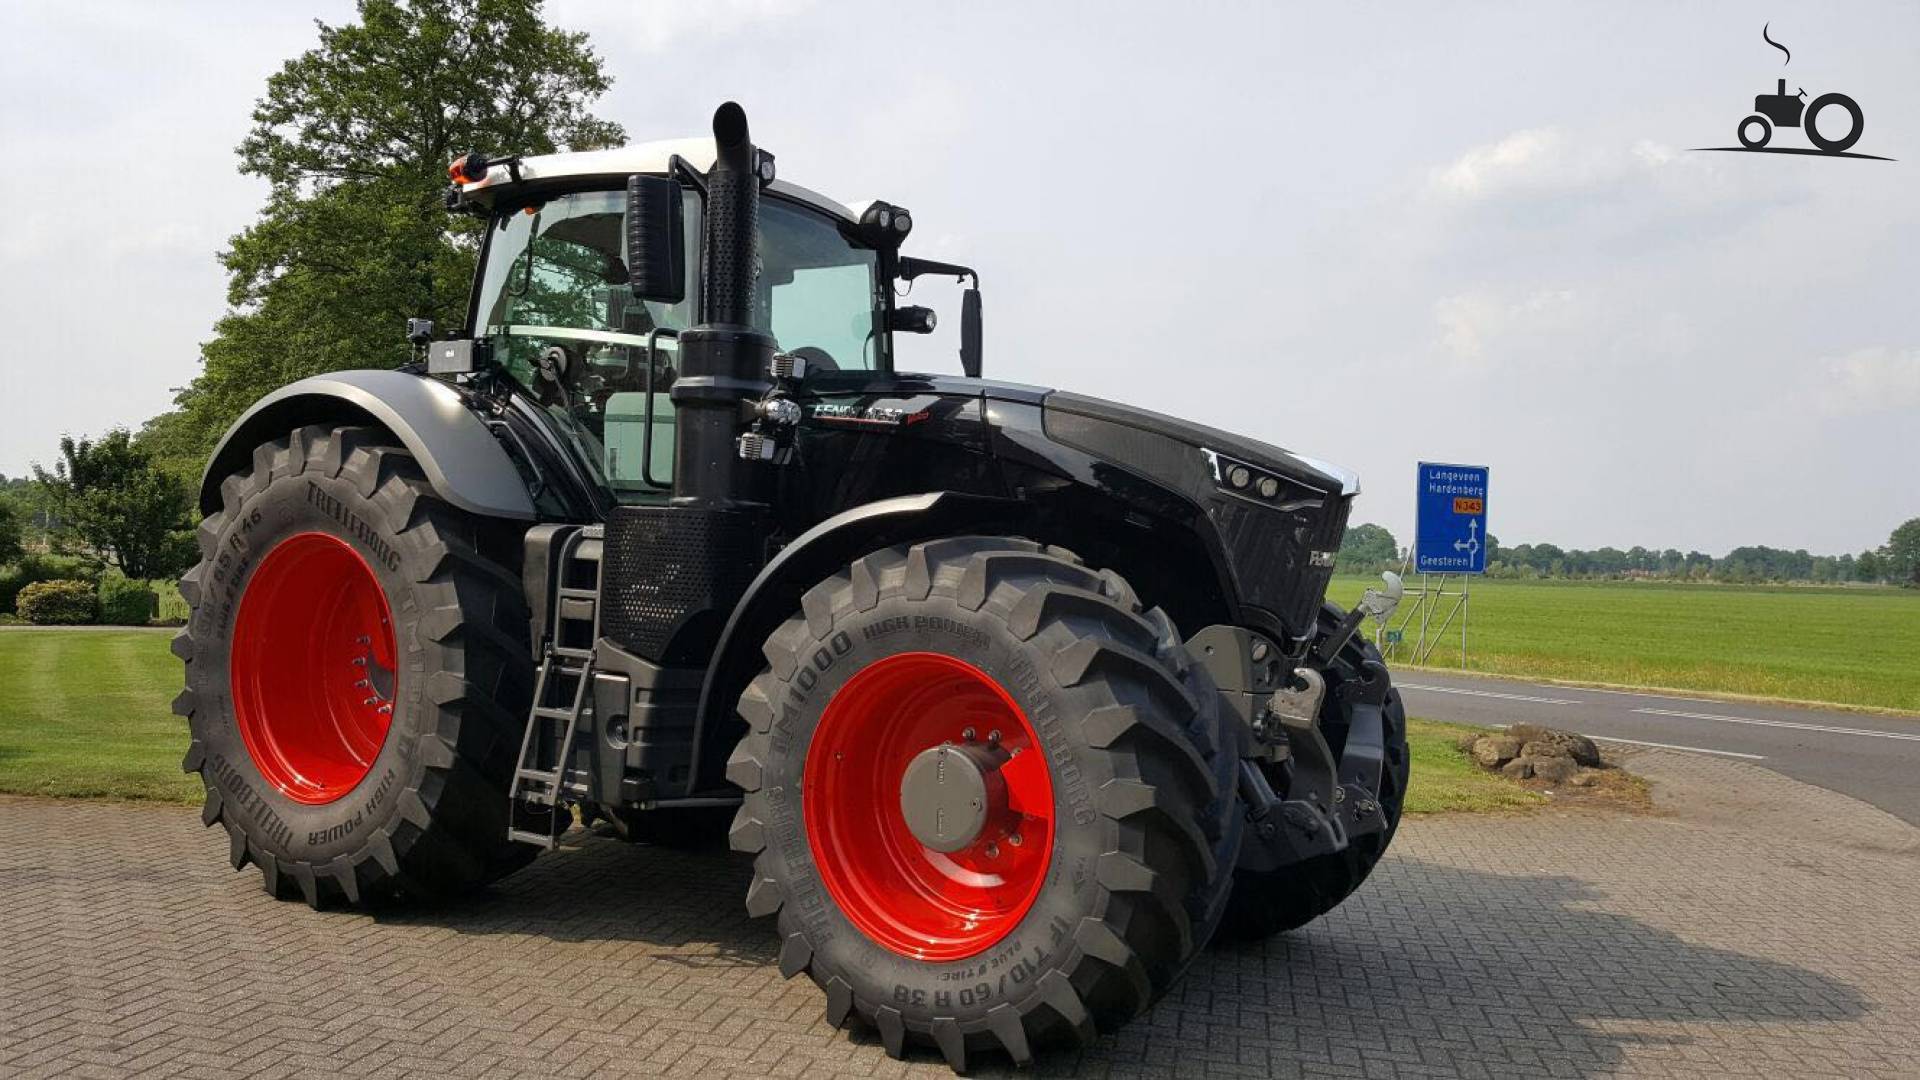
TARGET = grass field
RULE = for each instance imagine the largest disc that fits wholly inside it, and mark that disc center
(1857, 647)
(87, 713)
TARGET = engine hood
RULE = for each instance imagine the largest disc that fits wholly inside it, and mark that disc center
(1310, 471)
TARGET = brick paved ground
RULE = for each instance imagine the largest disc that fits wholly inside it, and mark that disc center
(1773, 937)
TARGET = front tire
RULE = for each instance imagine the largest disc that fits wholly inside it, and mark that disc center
(356, 675)
(1760, 137)
(1268, 902)
(1083, 861)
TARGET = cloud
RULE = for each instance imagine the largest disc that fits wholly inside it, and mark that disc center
(652, 26)
(1524, 158)
(1549, 163)
(1474, 326)
(1878, 378)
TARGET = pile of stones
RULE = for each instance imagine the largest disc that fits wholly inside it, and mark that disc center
(1532, 752)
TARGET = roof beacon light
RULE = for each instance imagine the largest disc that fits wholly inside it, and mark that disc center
(470, 169)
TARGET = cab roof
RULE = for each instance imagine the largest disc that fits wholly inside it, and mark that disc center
(646, 157)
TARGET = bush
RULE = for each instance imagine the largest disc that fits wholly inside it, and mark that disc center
(58, 603)
(124, 602)
(32, 568)
(173, 607)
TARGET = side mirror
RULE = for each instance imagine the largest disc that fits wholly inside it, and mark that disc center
(656, 239)
(970, 332)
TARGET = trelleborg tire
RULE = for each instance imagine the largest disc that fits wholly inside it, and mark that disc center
(357, 674)
(1264, 903)
(1092, 862)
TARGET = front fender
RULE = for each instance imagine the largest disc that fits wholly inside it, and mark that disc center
(459, 455)
(814, 554)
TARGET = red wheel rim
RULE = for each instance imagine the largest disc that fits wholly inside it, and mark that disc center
(312, 669)
(910, 898)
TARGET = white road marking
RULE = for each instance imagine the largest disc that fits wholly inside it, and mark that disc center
(1489, 693)
(1784, 724)
(1632, 693)
(1671, 746)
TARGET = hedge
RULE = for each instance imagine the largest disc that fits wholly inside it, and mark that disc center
(32, 568)
(58, 603)
(124, 602)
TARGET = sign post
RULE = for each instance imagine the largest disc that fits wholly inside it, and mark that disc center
(1450, 542)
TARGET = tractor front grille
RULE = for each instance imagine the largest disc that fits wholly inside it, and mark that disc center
(671, 576)
(1271, 554)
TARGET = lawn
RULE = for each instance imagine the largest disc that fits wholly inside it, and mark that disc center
(86, 713)
(1847, 646)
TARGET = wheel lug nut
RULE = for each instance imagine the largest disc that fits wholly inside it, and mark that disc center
(993, 851)
(1014, 839)
(967, 734)
(993, 738)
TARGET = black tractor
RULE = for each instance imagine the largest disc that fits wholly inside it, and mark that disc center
(1016, 697)
(1781, 109)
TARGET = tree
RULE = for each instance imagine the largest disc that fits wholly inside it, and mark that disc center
(1868, 567)
(12, 533)
(112, 499)
(1902, 553)
(1366, 547)
(354, 137)
(22, 495)
(1545, 556)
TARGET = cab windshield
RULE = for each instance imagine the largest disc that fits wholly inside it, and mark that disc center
(554, 301)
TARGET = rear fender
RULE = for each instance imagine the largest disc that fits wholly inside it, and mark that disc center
(465, 464)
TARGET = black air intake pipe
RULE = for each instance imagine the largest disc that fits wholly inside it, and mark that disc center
(724, 360)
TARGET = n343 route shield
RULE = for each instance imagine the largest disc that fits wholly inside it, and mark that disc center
(1450, 524)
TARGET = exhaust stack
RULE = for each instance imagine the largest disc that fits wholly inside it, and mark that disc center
(724, 360)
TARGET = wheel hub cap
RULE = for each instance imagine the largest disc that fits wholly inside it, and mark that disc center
(948, 794)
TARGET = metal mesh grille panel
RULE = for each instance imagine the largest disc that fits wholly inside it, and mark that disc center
(671, 575)
(1271, 553)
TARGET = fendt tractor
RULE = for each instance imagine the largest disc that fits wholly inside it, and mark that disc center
(1015, 696)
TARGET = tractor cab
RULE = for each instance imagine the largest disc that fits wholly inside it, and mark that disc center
(555, 306)
(1782, 108)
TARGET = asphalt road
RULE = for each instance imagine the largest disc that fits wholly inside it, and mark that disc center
(1873, 758)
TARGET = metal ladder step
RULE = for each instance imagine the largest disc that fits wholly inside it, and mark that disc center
(535, 784)
(538, 839)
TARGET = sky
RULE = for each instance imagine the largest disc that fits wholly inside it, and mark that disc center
(1375, 234)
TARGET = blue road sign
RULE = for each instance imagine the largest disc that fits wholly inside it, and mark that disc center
(1450, 524)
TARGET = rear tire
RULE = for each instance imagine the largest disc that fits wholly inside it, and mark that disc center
(1844, 104)
(419, 808)
(1143, 817)
(1264, 903)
